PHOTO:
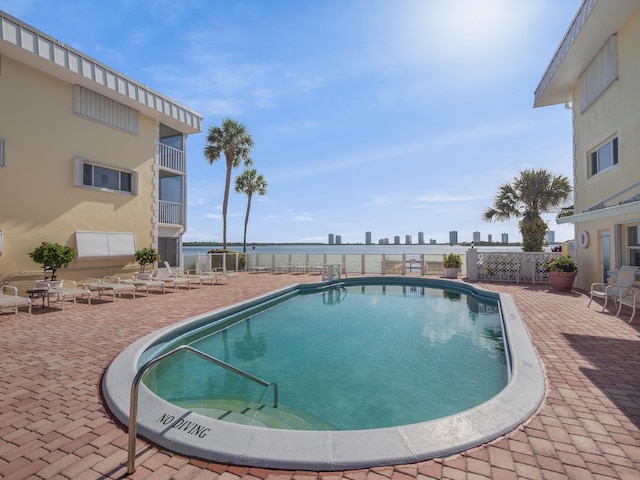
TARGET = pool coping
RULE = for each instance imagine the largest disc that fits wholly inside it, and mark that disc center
(194, 435)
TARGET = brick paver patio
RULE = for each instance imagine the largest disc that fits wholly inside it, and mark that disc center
(53, 424)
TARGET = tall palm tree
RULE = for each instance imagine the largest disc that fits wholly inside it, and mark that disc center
(250, 182)
(531, 194)
(232, 140)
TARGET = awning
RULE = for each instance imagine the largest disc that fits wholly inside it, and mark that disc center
(632, 208)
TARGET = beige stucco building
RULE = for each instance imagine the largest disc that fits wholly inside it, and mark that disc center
(88, 158)
(596, 72)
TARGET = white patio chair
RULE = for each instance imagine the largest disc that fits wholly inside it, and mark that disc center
(9, 298)
(614, 289)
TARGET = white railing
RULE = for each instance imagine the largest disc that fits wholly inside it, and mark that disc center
(172, 158)
(508, 266)
(476, 265)
(357, 264)
(171, 212)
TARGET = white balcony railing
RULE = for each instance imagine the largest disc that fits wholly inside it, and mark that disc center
(172, 158)
(171, 212)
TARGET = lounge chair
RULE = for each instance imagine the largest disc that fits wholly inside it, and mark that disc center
(226, 275)
(9, 298)
(631, 299)
(109, 285)
(614, 289)
(172, 280)
(145, 281)
(527, 271)
(197, 277)
(64, 290)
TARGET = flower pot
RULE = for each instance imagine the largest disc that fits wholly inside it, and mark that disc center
(562, 281)
(451, 272)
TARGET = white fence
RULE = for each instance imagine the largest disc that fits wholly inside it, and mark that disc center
(476, 265)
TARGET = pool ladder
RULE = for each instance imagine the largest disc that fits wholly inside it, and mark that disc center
(133, 403)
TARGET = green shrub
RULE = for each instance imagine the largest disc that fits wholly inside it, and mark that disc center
(145, 256)
(452, 260)
(560, 264)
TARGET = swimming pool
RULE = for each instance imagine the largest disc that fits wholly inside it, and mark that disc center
(187, 428)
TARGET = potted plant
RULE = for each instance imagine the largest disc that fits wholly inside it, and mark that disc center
(52, 256)
(562, 271)
(451, 263)
(145, 256)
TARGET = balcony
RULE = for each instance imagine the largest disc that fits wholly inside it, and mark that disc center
(172, 158)
(171, 213)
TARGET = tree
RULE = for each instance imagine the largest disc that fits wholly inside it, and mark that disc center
(232, 140)
(531, 194)
(146, 256)
(52, 256)
(249, 182)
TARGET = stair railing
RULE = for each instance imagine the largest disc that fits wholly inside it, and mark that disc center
(133, 403)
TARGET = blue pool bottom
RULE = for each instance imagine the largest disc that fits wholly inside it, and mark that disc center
(186, 432)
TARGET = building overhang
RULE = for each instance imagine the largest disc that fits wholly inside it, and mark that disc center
(36, 49)
(594, 22)
(626, 209)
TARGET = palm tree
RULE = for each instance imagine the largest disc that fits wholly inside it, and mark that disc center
(531, 194)
(250, 182)
(232, 140)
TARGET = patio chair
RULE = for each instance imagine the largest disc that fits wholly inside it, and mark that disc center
(64, 290)
(630, 299)
(9, 298)
(614, 289)
(527, 271)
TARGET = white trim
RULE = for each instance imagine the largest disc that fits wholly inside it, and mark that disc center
(3, 160)
(624, 209)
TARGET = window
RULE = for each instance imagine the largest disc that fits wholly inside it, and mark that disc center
(168, 250)
(604, 157)
(2, 158)
(99, 176)
(633, 245)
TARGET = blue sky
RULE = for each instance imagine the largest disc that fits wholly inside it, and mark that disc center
(386, 116)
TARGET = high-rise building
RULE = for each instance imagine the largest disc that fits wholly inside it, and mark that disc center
(432, 241)
(490, 238)
(505, 238)
(476, 237)
(367, 238)
(338, 239)
(396, 240)
(453, 237)
(331, 241)
(420, 238)
(408, 240)
(551, 236)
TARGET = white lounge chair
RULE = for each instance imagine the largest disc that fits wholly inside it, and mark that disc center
(9, 298)
(110, 285)
(64, 290)
(199, 278)
(172, 280)
(614, 289)
(226, 275)
(145, 281)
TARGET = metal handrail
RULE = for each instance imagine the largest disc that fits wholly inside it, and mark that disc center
(133, 405)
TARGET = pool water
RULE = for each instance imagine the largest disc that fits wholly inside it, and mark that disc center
(348, 358)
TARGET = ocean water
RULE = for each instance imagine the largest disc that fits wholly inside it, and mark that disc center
(354, 249)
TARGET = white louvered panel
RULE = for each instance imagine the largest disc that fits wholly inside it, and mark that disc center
(9, 31)
(59, 56)
(87, 68)
(28, 40)
(601, 72)
(111, 80)
(102, 109)
(74, 62)
(45, 48)
(100, 75)
(122, 86)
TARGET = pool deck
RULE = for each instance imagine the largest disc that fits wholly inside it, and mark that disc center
(53, 424)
